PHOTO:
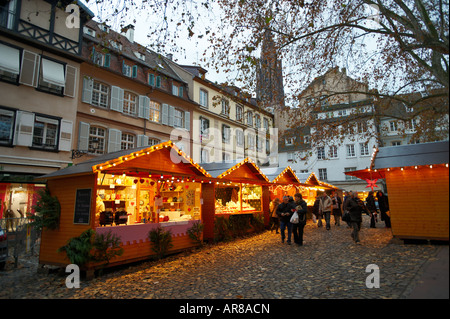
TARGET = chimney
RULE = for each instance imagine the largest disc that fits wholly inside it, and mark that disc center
(128, 31)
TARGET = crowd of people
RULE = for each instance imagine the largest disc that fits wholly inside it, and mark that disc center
(290, 214)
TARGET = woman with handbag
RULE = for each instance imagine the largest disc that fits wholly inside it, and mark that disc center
(301, 208)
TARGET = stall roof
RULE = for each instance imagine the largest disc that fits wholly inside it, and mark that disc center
(402, 156)
(281, 175)
(164, 157)
(411, 155)
(239, 171)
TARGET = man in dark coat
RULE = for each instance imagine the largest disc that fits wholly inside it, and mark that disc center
(354, 206)
(285, 211)
(383, 203)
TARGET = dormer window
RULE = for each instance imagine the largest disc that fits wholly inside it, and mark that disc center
(103, 27)
(140, 56)
(116, 45)
(89, 31)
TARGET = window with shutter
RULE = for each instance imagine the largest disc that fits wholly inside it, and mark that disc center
(29, 70)
(116, 99)
(24, 128)
(45, 133)
(65, 135)
(52, 76)
(71, 81)
(7, 118)
(114, 140)
(9, 63)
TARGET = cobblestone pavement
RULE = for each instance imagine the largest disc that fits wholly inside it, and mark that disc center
(329, 265)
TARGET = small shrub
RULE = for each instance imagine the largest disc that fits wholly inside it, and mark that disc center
(161, 240)
(92, 247)
(221, 229)
(195, 232)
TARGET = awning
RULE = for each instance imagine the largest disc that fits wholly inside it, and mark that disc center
(10, 61)
(367, 174)
(53, 72)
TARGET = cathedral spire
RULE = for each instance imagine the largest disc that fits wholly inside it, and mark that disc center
(269, 76)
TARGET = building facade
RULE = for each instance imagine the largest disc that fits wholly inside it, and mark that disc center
(39, 80)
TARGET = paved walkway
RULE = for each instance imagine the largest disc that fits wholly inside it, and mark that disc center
(329, 265)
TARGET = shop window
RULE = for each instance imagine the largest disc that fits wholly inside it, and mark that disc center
(126, 200)
(238, 199)
(45, 133)
(7, 118)
(127, 141)
(155, 111)
(129, 103)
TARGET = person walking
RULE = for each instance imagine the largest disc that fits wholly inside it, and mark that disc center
(347, 197)
(301, 207)
(275, 222)
(370, 204)
(383, 203)
(285, 211)
(316, 211)
(325, 208)
(337, 208)
(355, 209)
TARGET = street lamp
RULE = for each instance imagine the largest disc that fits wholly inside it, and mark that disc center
(78, 153)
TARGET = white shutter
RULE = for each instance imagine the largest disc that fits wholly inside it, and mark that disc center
(170, 116)
(83, 136)
(142, 140)
(24, 128)
(29, 70)
(116, 99)
(165, 114)
(144, 107)
(65, 135)
(71, 81)
(114, 139)
(87, 90)
(187, 121)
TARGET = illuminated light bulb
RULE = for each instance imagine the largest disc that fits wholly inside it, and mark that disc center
(415, 167)
(402, 168)
(431, 166)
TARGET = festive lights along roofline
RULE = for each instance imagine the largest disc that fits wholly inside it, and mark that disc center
(245, 161)
(111, 163)
(283, 172)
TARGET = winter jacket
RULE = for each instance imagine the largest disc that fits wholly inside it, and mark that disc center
(355, 210)
(325, 204)
(302, 209)
(286, 208)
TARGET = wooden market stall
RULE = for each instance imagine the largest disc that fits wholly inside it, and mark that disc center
(240, 188)
(417, 181)
(128, 193)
